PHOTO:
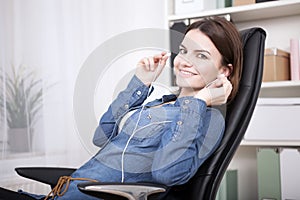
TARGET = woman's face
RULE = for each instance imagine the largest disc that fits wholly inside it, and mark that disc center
(198, 62)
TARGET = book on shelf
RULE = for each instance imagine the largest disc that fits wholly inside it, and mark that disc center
(228, 189)
(295, 59)
(268, 173)
(278, 173)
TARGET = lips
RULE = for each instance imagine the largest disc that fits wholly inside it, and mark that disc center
(186, 73)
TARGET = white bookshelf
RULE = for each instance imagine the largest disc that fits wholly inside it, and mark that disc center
(271, 16)
(272, 143)
(272, 9)
(281, 84)
(280, 89)
(281, 20)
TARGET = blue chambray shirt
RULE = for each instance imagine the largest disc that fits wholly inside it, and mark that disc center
(167, 145)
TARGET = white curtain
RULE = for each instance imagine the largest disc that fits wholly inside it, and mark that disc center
(53, 38)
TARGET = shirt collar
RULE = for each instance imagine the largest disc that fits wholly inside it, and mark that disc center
(168, 98)
(164, 99)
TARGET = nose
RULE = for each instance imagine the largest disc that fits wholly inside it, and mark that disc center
(184, 61)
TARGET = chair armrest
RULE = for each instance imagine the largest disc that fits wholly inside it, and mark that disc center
(121, 191)
(48, 175)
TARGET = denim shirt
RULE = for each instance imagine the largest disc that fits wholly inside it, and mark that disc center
(160, 142)
(168, 144)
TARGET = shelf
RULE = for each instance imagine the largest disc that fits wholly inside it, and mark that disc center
(276, 84)
(250, 12)
(280, 89)
(271, 143)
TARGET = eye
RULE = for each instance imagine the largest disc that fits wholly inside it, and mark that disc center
(182, 51)
(202, 56)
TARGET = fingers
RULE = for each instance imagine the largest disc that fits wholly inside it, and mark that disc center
(217, 93)
(145, 63)
(226, 84)
(219, 82)
(164, 58)
(149, 68)
(151, 63)
(161, 59)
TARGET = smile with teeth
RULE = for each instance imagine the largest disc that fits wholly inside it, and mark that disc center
(186, 73)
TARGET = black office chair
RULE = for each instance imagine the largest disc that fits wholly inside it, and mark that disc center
(205, 183)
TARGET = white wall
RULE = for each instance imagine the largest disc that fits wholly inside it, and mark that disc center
(56, 37)
(277, 28)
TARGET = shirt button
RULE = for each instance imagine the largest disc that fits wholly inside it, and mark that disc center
(179, 123)
(139, 92)
(186, 101)
(126, 106)
(149, 116)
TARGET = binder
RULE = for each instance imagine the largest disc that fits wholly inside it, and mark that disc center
(290, 176)
(268, 171)
(228, 189)
(278, 173)
(295, 59)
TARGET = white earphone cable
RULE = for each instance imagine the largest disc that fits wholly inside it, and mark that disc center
(136, 125)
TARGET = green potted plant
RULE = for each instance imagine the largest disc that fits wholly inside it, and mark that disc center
(21, 101)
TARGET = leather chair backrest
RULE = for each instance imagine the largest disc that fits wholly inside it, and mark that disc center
(204, 185)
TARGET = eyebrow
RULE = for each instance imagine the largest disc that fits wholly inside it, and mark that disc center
(197, 50)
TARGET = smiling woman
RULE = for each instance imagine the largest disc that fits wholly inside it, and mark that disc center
(219, 38)
(197, 62)
(165, 140)
(204, 63)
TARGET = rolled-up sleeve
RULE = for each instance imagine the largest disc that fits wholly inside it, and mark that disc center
(134, 95)
(194, 135)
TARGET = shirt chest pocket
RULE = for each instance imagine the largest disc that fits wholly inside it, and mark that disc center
(150, 126)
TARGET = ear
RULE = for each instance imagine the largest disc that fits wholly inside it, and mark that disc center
(226, 70)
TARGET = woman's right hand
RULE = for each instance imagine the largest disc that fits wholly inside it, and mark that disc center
(217, 93)
(149, 68)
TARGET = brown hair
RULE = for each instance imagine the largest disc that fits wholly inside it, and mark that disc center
(227, 40)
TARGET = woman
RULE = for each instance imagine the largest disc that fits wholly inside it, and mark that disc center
(166, 140)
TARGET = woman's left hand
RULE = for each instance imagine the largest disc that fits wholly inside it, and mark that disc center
(217, 93)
